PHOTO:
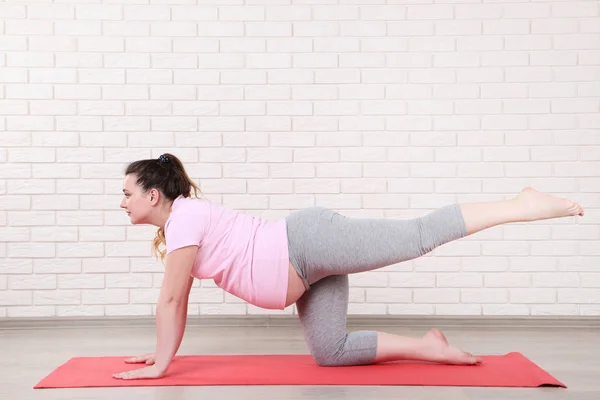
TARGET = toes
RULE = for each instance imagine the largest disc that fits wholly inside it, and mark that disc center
(471, 359)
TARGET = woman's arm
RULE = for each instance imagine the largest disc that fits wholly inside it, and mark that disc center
(171, 309)
(171, 313)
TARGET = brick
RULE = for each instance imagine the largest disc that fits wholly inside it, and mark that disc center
(555, 248)
(279, 186)
(477, 11)
(336, 201)
(175, 61)
(28, 27)
(78, 28)
(209, 139)
(316, 186)
(131, 249)
(577, 169)
(153, 44)
(268, 29)
(363, 186)
(144, 296)
(56, 266)
(245, 170)
(576, 41)
(13, 43)
(242, 45)
(13, 11)
(29, 282)
(223, 154)
(91, 266)
(380, 295)
(56, 297)
(221, 29)
(554, 26)
(173, 29)
(101, 44)
(445, 91)
(288, 13)
(14, 298)
(152, 12)
(269, 155)
(138, 280)
(588, 25)
(480, 43)
(506, 27)
(483, 295)
(436, 295)
(104, 296)
(575, 9)
(290, 45)
(421, 280)
(97, 12)
(126, 124)
(79, 311)
(578, 295)
(341, 45)
(289, 108)
(226, 186)
(128, 28)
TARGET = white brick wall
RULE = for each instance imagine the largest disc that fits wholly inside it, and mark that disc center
(373, 108)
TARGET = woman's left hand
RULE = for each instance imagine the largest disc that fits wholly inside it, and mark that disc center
(150, 372)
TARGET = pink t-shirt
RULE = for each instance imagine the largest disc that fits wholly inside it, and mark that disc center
(245, 255)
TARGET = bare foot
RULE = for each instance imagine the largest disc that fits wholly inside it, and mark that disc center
(538, 206)
(439, 351)
(435, 334)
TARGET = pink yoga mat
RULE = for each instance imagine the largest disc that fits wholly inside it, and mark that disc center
(510, 370)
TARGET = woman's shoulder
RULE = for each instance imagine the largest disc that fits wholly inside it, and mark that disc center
(186, 204)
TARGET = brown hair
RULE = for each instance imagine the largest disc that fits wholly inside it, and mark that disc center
(166, 174)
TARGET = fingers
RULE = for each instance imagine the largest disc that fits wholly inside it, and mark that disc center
(139, 359)
(123, 375)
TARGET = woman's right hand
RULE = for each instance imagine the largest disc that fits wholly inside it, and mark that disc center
(146, 358)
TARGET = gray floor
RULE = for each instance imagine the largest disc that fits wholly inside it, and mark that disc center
(570, 354)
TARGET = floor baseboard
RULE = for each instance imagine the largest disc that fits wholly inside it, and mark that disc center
(468, 322)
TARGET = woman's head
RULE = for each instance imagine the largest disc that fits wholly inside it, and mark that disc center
(150, 186)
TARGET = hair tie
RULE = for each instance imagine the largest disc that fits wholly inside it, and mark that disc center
(163, 159)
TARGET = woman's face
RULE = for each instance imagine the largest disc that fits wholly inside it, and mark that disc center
(136, 203)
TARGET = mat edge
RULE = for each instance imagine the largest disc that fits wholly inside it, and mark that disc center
(9, 323)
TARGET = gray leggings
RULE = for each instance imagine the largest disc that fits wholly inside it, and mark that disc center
(326, 246)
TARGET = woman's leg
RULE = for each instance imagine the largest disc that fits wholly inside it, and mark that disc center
(322, 312)
(327, 243)
(327, 246)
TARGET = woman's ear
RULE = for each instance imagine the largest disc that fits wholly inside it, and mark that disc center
(154, 195)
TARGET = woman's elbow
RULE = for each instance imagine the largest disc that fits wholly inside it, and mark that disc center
(174, 300)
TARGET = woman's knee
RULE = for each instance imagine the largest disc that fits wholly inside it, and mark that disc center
(356, 348)
(328, 353)
(327, 359)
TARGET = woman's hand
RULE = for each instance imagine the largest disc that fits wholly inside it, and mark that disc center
(150, 372)
(149, 359)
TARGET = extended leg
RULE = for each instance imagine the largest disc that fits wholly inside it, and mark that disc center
(328, 243)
